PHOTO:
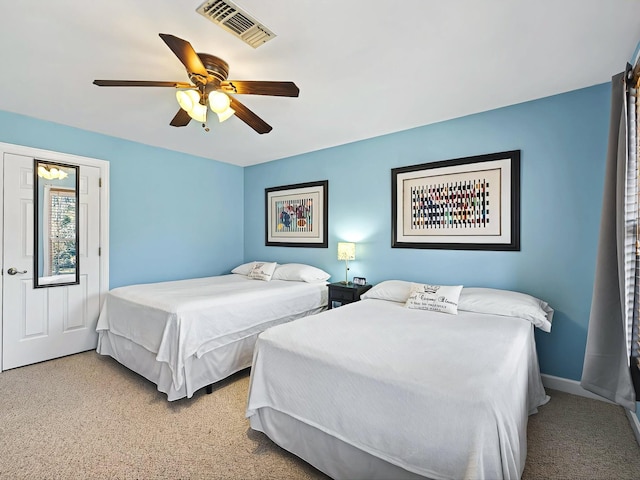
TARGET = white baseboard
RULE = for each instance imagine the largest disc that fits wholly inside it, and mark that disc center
(569, 386)
(635, 424)
(573, 387)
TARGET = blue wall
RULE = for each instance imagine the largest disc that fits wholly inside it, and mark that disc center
(563, 141)
(169, 212)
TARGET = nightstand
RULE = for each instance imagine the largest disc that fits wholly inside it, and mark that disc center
(342, 293)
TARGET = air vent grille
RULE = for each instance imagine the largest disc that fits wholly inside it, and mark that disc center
(236, 21)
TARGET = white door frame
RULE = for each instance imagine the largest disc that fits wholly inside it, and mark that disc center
(103, 165)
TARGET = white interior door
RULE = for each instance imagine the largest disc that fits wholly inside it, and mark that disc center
(44, 323)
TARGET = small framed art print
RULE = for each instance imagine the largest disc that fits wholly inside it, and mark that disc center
(297, 215)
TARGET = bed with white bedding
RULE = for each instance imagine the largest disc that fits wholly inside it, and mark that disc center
(185, 335)
(377, 390)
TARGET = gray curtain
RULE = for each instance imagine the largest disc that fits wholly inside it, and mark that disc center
(606, 362)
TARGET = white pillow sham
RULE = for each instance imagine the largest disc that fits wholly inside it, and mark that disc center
(299, 272)
(392, 290)
(435, 298)
(477, 299)
(262, 271)
(506, 302)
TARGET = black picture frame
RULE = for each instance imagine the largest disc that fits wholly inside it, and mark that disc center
(297, 215)
(42, 277)
(469, 203)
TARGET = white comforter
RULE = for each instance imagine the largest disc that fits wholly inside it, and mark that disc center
(443, 396)
(192, 317)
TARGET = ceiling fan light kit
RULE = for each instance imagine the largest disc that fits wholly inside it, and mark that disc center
(192, 102)
(208, 75)
(51, 173)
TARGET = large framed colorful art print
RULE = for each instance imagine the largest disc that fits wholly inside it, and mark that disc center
(470, 203)
(297, 215)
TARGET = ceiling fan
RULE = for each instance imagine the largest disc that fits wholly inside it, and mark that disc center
(208, 75)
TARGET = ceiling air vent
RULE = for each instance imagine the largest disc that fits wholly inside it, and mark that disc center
(236, 21)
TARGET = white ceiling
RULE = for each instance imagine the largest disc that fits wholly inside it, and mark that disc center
(364, 67)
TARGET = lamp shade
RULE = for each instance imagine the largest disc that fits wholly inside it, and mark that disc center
(51, 173)
(228, 113)
(198, 112)
(219, 102)
(44, 172)
(187, 99)
(346, 251)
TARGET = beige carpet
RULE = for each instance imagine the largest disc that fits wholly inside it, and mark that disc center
(85, 416)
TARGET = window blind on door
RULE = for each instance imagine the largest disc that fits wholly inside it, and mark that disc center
(62, 231)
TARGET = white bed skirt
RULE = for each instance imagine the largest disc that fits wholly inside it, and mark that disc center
(212, 367)
(187, 334)
(328, 454)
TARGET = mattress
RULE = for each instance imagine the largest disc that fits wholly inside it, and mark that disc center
(183, 321)
(430, 394)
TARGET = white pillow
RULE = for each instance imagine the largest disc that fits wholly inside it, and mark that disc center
(392, 290)
(245, 268)
(262, 271)
(299, 272)
(506, 302)
(436, 298)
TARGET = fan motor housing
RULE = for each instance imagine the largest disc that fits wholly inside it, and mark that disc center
(217, 69)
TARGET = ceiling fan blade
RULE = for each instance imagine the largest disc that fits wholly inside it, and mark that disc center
(185, 53)
(252, 87)
(181, 119)
(140, 83)
(250, 118)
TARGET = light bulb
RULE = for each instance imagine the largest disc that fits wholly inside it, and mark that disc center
(219, 102)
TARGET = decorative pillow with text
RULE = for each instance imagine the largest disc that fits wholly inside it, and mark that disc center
(262, 271)
(245, 268)
(435, 298)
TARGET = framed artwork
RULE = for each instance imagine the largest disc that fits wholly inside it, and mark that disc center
(470, 203)
(297, 215)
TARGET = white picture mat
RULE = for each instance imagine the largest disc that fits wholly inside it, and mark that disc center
(316, 234)
(405, 179)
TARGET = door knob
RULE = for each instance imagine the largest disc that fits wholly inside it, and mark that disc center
(13, 271)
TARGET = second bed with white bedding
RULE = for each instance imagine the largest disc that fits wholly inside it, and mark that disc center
(427, 394)
(163, 330)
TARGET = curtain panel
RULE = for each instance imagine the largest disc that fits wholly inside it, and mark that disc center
(606, 364)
